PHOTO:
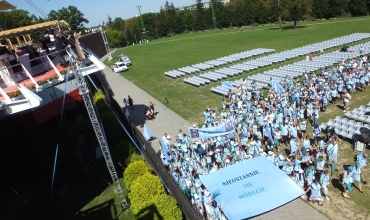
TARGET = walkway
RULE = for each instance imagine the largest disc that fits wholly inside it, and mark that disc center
(169, 122)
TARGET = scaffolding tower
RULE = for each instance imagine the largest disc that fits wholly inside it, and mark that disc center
(97, 125)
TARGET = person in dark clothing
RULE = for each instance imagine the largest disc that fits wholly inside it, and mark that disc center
(131, 102)
(45, 41)
(60, 47)
(33, 54)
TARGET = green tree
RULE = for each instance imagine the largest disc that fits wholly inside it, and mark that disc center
(357, 7)
(15, 19)
(189, 19)
(72, 15)
(320, 9)
(338, 8)
(117, 24)
(200, 16)
(296, 10)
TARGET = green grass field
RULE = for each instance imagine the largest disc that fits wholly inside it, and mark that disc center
(151, 60)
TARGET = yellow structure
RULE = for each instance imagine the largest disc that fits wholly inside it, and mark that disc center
(25, 31)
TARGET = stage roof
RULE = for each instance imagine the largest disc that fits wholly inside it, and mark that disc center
(53, 25)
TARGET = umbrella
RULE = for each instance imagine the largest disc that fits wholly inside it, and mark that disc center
(365, 133)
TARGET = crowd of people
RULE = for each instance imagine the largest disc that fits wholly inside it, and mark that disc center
(267, 124)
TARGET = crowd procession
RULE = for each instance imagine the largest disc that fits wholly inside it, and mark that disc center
(288, 116)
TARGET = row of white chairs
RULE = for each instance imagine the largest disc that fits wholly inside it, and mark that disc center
(174, 73)
(213, 76)
(203, 66)
(299, 68)
(196, 81)
(189, 70)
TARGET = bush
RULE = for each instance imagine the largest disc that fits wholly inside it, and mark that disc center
(167, 207)
(133, 171)
(122, 152)
(144, 190)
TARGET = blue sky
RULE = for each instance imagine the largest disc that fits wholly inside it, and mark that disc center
(97, 11)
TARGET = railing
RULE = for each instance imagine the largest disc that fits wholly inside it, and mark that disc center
(153, 159)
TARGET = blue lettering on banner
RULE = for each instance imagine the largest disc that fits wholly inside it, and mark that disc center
(252, 193)
(247, 185)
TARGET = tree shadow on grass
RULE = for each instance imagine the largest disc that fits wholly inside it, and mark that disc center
(286, 28)
(149, 213)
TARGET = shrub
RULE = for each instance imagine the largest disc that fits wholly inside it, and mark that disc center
(133, 156)
(124, 153)
(167, 207)
(133, 171)
(142, 193)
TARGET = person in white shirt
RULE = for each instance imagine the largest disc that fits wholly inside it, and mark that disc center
(166, 138)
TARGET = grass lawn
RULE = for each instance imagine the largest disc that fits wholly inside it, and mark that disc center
(150, 61)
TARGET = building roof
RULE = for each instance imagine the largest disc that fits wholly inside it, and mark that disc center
(4, 5)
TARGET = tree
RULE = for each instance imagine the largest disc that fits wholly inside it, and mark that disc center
(357, 7)
(117, 24)
(72, 15)
(320, 9)
(14, 19)
(337, 8)
(296, 9)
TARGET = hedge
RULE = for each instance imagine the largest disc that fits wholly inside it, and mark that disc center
(167, 207)
(143, 192)
(133, 171)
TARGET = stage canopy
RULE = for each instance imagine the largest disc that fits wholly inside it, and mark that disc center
(52, 25)
(250, 188)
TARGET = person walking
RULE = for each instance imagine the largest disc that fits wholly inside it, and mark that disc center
(346, 98)
(151, 106)
(130, 102)
(361, 160)
(357, 177)
(347, 181)
(125, 103)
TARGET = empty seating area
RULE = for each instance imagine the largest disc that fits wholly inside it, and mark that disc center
(213, 76)
(244, 55)
(203, 66)
(174, 73)
(344, 127)
(189, 70)
(196, 81)
(347, 127)
(299, 68)
(359, 114)
(216, 62)
(219, 62)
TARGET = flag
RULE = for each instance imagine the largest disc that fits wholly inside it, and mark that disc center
(146, 133)
(226, 84)
(277, 86)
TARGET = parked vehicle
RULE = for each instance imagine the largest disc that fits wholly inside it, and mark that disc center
(119, 67)
(124, 59)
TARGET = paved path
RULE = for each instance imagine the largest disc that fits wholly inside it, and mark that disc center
(168, 121)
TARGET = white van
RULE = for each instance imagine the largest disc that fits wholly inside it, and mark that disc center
(119, 67)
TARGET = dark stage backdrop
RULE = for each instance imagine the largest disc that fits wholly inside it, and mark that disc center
(95, 43)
